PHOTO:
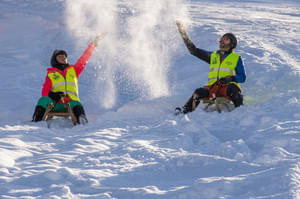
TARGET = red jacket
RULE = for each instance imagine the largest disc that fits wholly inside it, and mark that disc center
(79, 66)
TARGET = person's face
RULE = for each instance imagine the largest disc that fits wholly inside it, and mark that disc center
(224, 43)
(61, 59)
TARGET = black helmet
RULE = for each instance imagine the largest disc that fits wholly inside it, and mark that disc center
(54, 62)
(232, 38)
(60, 52)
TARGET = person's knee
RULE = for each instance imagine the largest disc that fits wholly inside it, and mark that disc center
(44, 102)
(75, 103)
(201, 92)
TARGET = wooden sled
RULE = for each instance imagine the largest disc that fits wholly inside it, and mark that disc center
(49, 113)
(215, 104)
(219, 104)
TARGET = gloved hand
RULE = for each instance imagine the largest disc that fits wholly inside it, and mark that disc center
(226, 80)
(180, 26)
(182, 30)
(98, 38)
(56, 96)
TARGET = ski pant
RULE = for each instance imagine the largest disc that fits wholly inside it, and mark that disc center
(43, 103)
(230, 90)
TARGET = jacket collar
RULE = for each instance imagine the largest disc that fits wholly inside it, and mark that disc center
(53, 69)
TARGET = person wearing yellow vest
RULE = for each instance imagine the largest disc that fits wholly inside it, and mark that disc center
(226, 71)
(61, 84)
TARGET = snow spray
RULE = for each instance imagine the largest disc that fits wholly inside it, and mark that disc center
(141, 39)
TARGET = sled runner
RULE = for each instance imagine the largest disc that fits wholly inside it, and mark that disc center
(217, 100)
(50, 113)
(218, 104)
(211, 104)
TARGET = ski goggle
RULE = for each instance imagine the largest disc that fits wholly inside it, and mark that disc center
(224, 39)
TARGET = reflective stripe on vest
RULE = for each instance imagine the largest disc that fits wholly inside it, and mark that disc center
(68, 84)
(218, 70)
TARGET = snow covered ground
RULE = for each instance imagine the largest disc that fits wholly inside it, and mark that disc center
(133, 147)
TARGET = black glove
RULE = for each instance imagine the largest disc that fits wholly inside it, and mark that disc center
(226, 80)
(56, 96)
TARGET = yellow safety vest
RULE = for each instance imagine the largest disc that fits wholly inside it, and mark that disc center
(67, 84)
(218, 70)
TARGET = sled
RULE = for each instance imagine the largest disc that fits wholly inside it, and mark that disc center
(211, 104)
(218, 104)
(49, 113)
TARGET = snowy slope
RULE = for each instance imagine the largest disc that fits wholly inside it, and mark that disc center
(133, 147)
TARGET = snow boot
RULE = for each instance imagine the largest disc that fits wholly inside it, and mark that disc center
(80, 115)
(178, 111)
(82, 119)
(38, 114)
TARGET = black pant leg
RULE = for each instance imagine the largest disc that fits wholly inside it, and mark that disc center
(234, 93)
(78, 111)
(194, 100)
(38, 114)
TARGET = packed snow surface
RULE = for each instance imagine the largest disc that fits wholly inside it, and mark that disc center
(133, 145)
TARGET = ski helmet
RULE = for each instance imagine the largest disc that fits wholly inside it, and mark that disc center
(54, 62)
(60, 52)
(233, 40)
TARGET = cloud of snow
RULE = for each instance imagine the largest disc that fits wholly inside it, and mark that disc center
(135, 56)
(86, 19)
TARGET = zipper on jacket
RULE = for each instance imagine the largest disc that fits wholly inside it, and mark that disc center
(221, 61)
(65, 85)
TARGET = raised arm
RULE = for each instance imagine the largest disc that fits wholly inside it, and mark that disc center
(82, 61)
(201, 54)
